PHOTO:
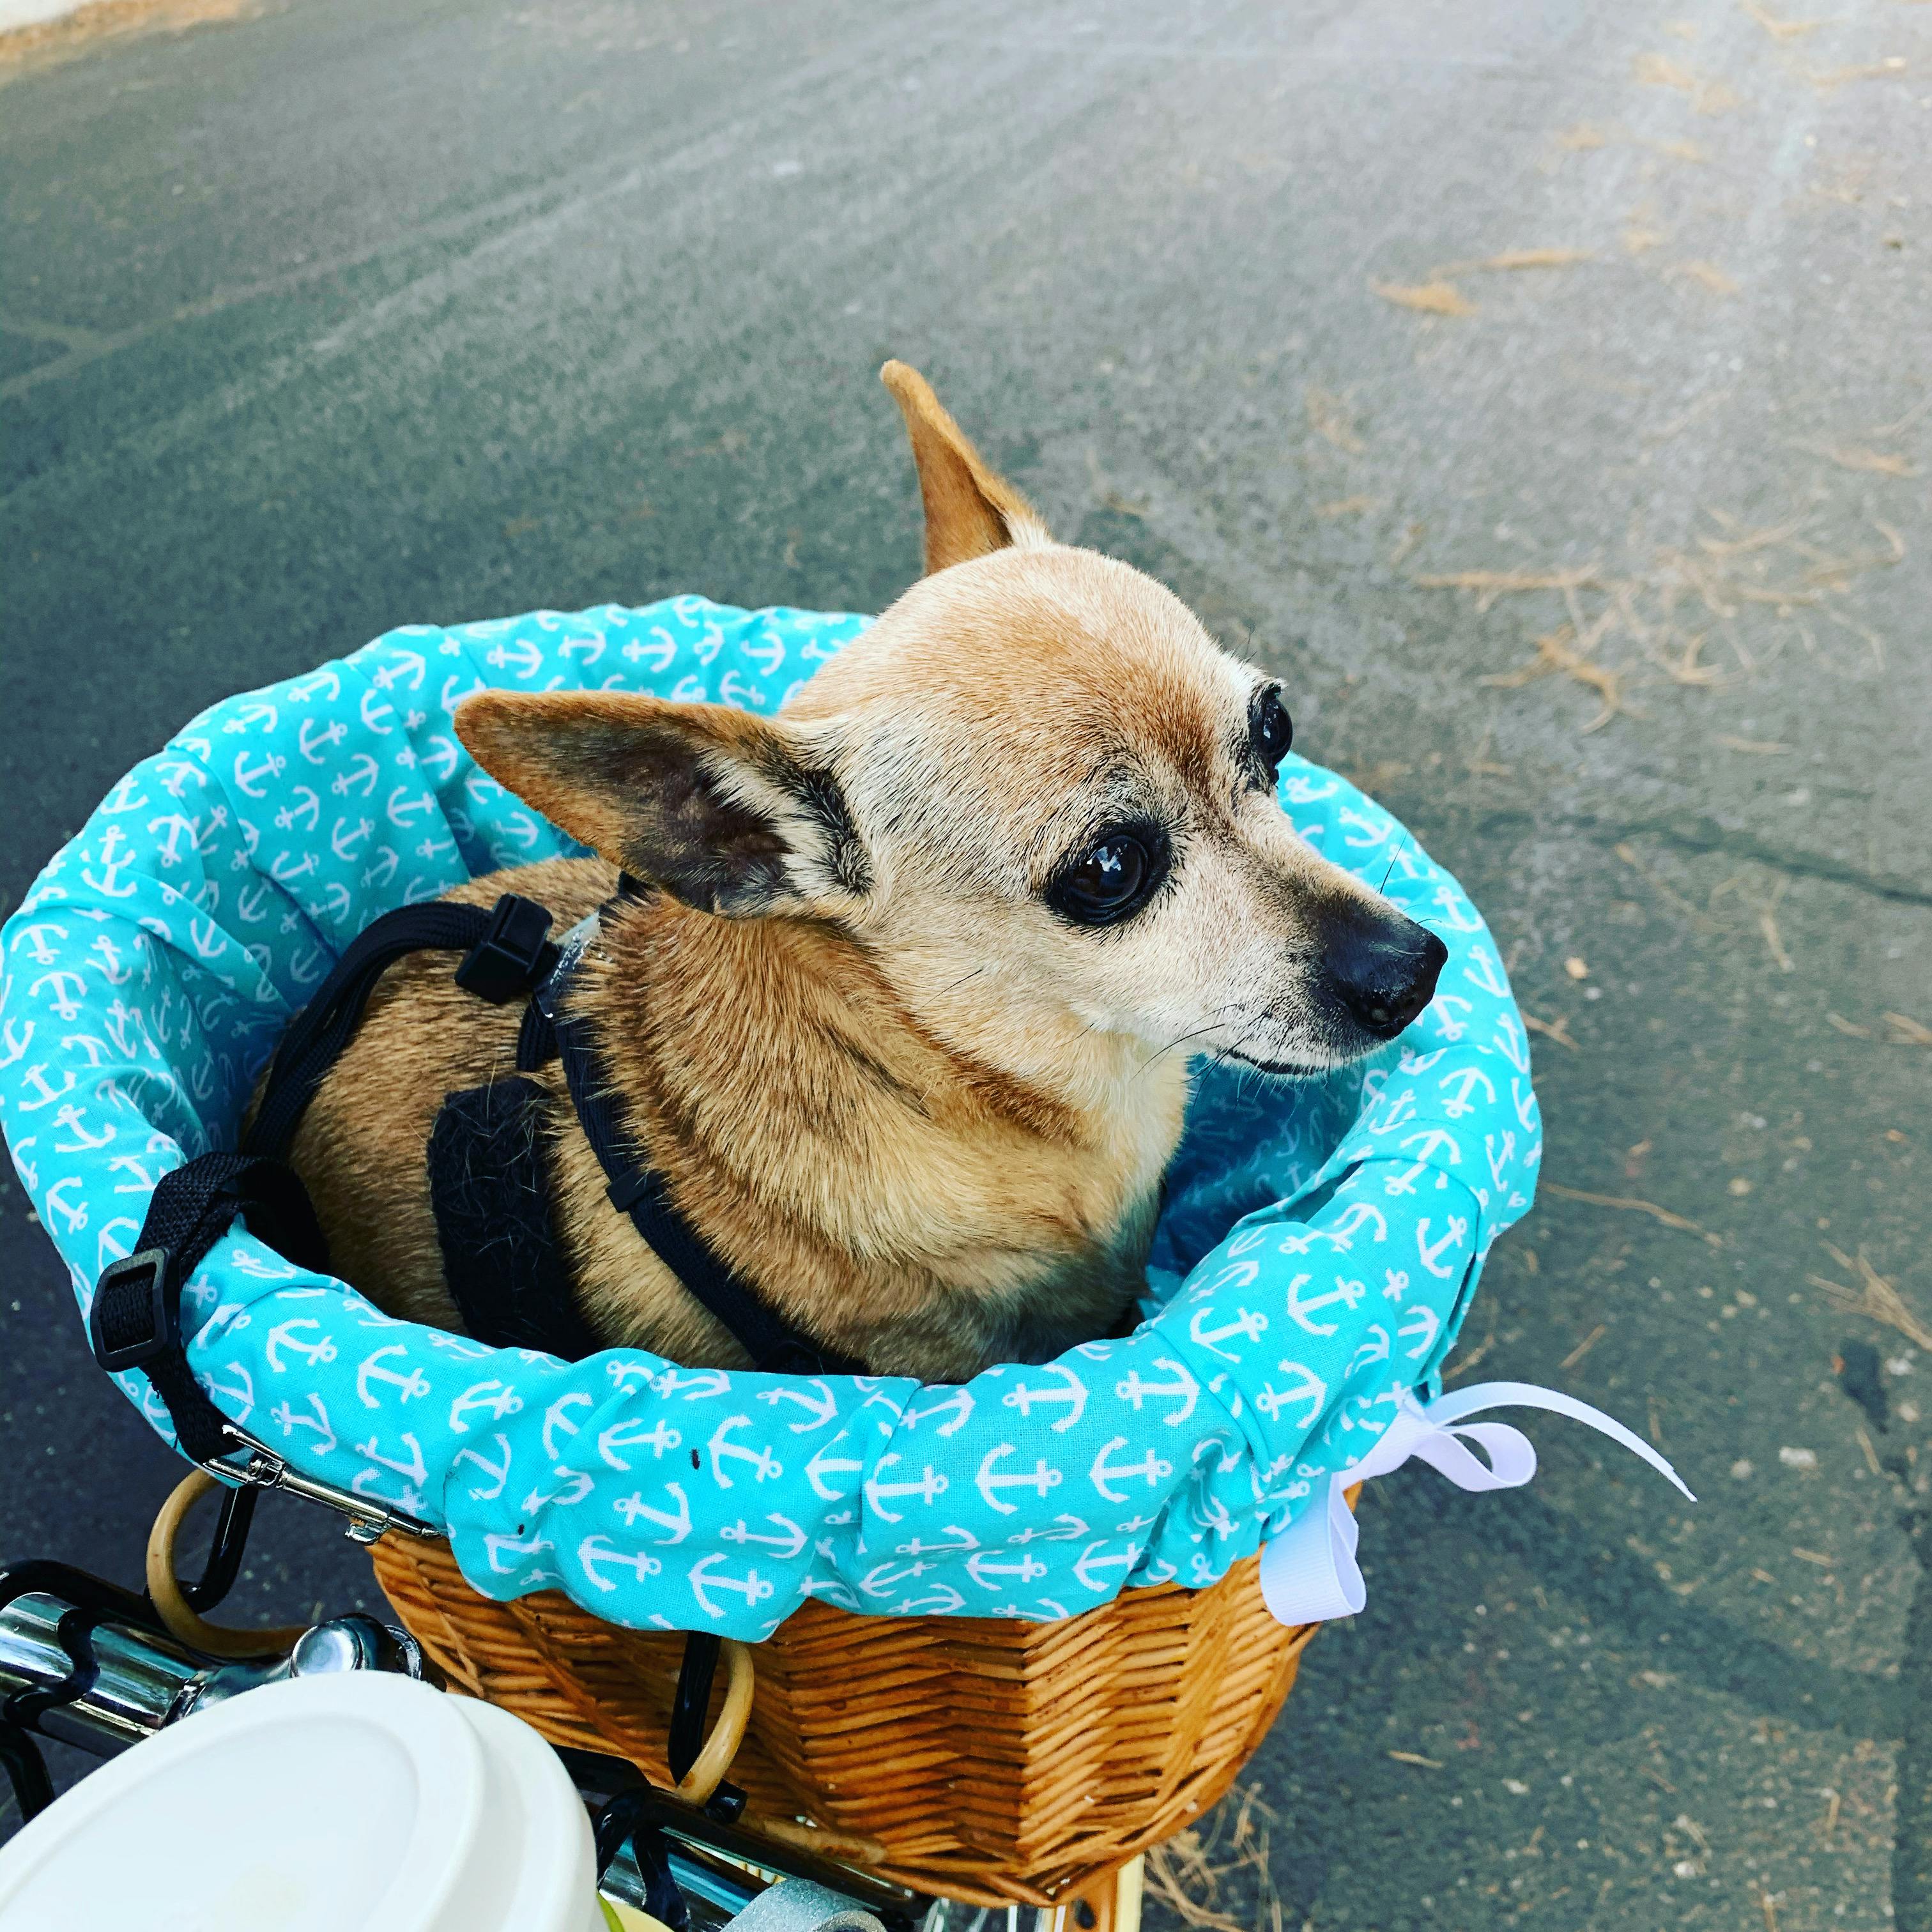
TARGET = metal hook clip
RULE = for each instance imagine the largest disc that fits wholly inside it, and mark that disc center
(369, 1520)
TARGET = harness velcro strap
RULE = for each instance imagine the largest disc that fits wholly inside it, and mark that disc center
(775, 1346)
(506, 954)
(135, 1322)
(489, 1185)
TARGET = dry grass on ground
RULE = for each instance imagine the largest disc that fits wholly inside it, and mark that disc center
(48, 42)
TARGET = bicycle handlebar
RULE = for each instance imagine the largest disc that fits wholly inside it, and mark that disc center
(84, 1663)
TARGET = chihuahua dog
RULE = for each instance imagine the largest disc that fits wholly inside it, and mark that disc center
(904, 1011)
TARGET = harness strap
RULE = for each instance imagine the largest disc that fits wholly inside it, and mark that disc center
(486, 1140)
(506, 956)
(536, 1039)
(489, 1189)
(775, 1346)
(135, 1322)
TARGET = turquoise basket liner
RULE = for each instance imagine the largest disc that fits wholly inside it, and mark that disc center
(1315, 1258)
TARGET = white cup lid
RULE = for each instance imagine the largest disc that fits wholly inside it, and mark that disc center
(359, 1803)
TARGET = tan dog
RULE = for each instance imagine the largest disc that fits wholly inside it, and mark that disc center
(907, 1025)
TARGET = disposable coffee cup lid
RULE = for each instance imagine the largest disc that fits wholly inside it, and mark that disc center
(357, 1803)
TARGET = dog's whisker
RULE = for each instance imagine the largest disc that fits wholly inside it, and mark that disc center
(1244, 1070)
(1181, 1039)
(1406, 839)
(1148, 1065)
(959, 982)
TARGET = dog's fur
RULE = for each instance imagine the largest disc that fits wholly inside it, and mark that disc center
(926, 1112)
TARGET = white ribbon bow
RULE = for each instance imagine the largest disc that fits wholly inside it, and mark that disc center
(1309, 1572)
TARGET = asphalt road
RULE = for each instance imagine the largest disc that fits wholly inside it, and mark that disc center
(344, 317)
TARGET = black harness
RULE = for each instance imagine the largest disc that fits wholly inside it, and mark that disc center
(488, 1176)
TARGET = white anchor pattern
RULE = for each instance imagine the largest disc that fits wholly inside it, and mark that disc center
(1315, 1259)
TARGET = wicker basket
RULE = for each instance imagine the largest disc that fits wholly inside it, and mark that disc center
(993, 1761)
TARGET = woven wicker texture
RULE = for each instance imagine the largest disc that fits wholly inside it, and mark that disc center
(995, 1762)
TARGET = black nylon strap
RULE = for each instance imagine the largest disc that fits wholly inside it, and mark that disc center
(225, 1554)
(774, 1345)
(92, 1601)
(536, 1039)
(685, 1739)
(621, 1822)
(507, 954)
(489, 1186)
(26, 1772)
(136, 1319)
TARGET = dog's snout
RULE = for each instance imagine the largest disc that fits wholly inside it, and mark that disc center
(1385, 973)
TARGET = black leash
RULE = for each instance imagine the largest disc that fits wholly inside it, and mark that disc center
(623, 1822)
(502, 1260)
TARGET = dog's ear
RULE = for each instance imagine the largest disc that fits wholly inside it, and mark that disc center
(969, 512)
(729, 812)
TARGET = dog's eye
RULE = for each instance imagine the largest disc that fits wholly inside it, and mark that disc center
(1271, 730)
(1111, 880)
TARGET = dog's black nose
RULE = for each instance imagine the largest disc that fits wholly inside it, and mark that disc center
(1385, 977)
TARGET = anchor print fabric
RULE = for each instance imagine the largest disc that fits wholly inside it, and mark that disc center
(1316, 1255)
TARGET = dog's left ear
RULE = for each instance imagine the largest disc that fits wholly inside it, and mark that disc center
(729, 812)
(969, 511)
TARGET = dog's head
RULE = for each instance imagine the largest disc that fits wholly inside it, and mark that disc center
(1035, 792)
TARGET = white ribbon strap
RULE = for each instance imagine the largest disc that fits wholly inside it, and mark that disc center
(1309, 1572)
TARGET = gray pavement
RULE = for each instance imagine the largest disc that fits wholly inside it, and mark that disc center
(345, 317)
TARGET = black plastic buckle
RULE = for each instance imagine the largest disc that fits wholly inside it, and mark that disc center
(512, 956)
(144, 1274)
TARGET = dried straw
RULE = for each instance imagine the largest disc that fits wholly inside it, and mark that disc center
(1629, 1205)
(1513, 259)
(1875, 1297)
(1707, 96)
(1488, 585)
(1878, 462)
(1706, 274)
(1779, 30)
(1329, 417)
(1429, 298)
(1826, 78)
